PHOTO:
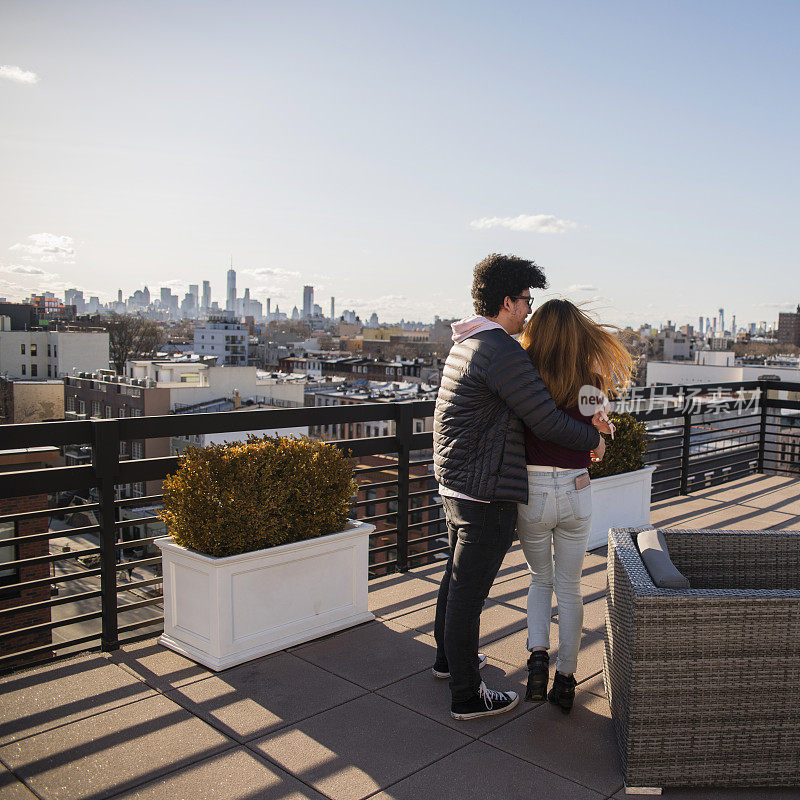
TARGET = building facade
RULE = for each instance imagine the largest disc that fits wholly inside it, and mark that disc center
(224, 339)
(52, 354)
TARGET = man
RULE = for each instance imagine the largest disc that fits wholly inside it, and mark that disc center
(489, 391)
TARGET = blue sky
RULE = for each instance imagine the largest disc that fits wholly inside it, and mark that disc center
(650, 149)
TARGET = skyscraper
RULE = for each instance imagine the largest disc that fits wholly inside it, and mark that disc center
(194, 291)
(722, 320)
(230, 304)
(333, 316)
(700, 325)
(206, 296)
(308, 301)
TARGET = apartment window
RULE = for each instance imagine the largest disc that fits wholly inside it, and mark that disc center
(81, 406)
(22, 370)
(55, 351)
(135, 412)
(22, 349)
(34, 371)
(138, 491)
(137, 450)
(34, 349)
(49, 354)
(8, 552)
(417, 426)
(370, 509)
(71, 403)
(95, 408)
(122, 412)
(123, 448)
(108, 412)
(49, 371)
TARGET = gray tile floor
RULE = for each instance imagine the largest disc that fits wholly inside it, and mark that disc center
(355, 715)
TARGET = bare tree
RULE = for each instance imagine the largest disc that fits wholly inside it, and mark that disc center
(132, 337)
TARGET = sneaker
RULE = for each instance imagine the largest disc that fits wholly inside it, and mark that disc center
(445, 673)
(486, 703)
(563, 692)
(538, 675)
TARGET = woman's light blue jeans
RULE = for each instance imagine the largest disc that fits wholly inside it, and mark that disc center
(553, 529)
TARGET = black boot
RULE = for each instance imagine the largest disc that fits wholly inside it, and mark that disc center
(563, 692)
(538, 675)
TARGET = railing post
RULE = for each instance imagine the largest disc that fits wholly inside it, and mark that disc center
(105, 460)
(762, 431)
(687, 440)
(404, 432)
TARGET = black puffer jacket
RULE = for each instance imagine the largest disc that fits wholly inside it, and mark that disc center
(489, 389)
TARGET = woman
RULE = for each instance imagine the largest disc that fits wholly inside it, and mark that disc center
(570, 350)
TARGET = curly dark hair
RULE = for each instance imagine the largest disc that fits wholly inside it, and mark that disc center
(498, 277)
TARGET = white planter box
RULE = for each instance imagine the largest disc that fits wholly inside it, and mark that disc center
(223, 611)
(619, 501)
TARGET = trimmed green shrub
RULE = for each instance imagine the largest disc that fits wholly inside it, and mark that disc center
(626, 452)
(233, 498)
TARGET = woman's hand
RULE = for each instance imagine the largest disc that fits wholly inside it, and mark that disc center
(599, 451)
(600, 421)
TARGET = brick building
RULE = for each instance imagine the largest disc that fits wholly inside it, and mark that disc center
(789, 327)
(12, 574)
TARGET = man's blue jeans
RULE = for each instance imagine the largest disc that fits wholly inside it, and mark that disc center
(480, 535)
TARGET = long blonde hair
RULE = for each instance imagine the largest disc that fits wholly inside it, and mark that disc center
(571, 350)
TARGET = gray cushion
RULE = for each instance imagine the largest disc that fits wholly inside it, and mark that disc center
(655, 557)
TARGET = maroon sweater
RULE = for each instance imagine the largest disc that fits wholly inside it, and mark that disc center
(550, 454)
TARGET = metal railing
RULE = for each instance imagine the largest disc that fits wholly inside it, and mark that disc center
(56, 600)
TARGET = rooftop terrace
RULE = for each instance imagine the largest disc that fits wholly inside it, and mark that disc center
(354, 715)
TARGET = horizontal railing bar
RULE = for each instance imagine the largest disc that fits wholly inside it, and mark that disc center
(378, 517)
(142, 562)
(437, 535)
(424, 523)
(138, 584)
(145, 623)
(47, 648)
(49, 626)
(26, 483)
(148, 500)
(54, 579)
(436, 550)
(375, 501)
(128, 544)
(49, 559)
(51, 534)
(127, 523)
(151, 601)
(47, 434)
(377, 485)
(387, 532)
(58, 601)
(48, 512)
(383, 548)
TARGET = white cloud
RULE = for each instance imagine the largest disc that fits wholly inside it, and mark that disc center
(782, 304)
(47, 247)
(17, 74)
(269, 272)
(534, 223)
(21, 269)
(582, 287)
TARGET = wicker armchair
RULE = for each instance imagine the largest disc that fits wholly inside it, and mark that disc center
(704, 683)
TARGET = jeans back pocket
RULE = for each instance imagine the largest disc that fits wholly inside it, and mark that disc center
(580, 501)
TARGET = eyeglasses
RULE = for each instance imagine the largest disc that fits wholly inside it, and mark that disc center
(527, 298)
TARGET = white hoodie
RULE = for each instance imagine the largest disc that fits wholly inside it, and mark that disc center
(462, 330)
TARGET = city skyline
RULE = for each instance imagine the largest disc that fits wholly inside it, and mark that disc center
(644, 156)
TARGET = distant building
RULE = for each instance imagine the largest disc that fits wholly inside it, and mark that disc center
(230, 304)
(51, 354)
(308, 301)
(31, 401)
(224, 339)
(789, 327)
